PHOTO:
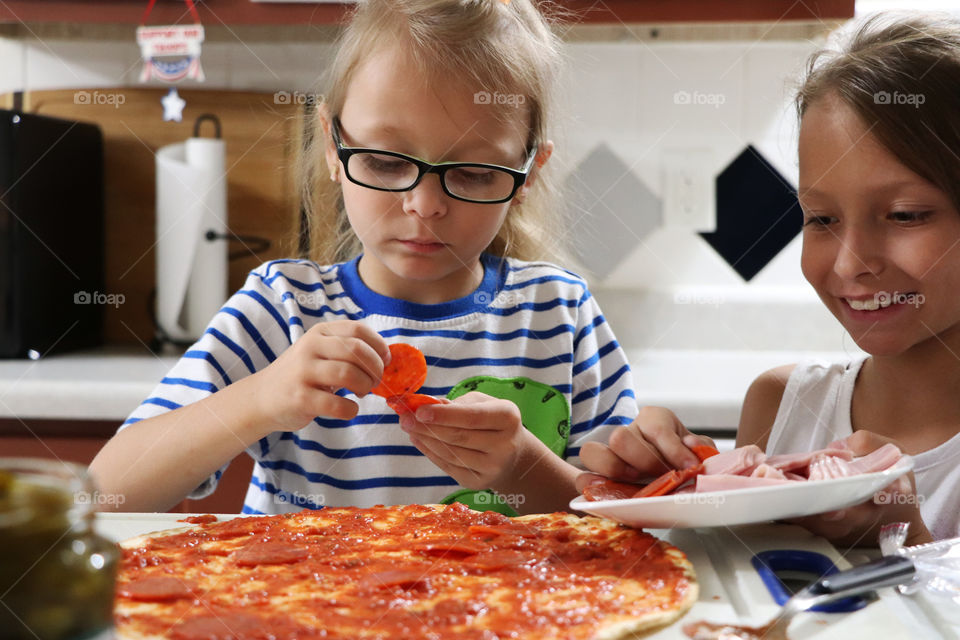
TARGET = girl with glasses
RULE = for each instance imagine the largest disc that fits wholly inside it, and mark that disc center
(430, 224)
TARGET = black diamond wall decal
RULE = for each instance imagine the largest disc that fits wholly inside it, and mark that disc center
(757, 214)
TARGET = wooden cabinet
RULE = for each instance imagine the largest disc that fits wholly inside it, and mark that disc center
(80, 440)
(260, 134)
(217, 12)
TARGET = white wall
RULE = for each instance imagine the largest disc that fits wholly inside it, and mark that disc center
(673, 291)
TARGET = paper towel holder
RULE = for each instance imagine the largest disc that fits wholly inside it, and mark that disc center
(211, 235)
(200, 120)
(187, 306)
(252, 245)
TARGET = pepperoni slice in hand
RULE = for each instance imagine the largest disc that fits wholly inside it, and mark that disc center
(405, 374)
(703, 451)
(661, 486)
(410, 403)
(665, 484)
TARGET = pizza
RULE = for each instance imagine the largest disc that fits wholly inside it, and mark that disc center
(414, 571)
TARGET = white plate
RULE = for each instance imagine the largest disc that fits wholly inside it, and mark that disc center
(743, 506)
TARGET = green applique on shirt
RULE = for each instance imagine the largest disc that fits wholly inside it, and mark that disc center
(543, 411)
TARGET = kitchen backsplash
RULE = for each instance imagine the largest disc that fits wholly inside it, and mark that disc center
(690, 265)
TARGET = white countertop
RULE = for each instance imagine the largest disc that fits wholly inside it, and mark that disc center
(105, 384)
(730, 588)
(704, 388)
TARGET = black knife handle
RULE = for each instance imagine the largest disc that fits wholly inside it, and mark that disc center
(885, 572)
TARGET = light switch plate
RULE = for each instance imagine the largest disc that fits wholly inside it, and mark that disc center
(688, 189)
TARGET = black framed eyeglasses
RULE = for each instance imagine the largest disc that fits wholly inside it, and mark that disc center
(467, 181)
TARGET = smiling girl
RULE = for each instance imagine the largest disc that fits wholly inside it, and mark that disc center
(879, 154)
(424, 190)
(880, 192)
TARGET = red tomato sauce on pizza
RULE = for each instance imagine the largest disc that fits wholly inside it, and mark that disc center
(395, 572)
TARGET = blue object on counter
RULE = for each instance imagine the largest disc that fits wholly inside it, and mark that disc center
(768, 563)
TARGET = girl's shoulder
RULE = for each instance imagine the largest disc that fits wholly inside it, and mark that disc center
(761, 404)
(804, 376)
(541, 274)
(283, 274)
(312, 286)
(812, 382)
(294, 265)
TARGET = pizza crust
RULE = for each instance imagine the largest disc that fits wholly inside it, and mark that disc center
(146, 538)
(627, 629)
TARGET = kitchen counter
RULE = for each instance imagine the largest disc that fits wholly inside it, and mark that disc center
(730, 589)
(104, 384)
(704, 388)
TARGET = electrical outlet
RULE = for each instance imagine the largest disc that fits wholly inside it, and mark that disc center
(688, 189)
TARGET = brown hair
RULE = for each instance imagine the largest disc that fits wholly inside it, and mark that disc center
(492, 45)
(900, 73)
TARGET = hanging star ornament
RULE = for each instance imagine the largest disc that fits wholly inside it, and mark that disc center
(171, 54)
(173, 106)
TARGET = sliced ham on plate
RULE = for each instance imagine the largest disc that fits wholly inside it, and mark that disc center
(878, 460)
(801, 461)
(749, 467)
(725, 481)
(828, 467)
(765, 470)
(737, 462)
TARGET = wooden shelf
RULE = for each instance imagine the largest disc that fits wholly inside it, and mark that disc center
(216, 12)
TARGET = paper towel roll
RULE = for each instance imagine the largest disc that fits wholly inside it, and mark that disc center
(191, 270)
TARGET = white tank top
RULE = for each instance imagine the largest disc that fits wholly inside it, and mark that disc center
(815, 411)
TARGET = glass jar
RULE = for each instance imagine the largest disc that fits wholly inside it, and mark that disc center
(56, 574)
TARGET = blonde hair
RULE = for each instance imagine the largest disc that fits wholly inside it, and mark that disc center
(898, 72)
(501, 46)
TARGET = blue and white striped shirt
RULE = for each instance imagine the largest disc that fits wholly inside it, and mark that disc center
(528, 319)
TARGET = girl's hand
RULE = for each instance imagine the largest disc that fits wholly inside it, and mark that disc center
(301, 383)
(860, 525)
(653, 444)
(477, 439)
